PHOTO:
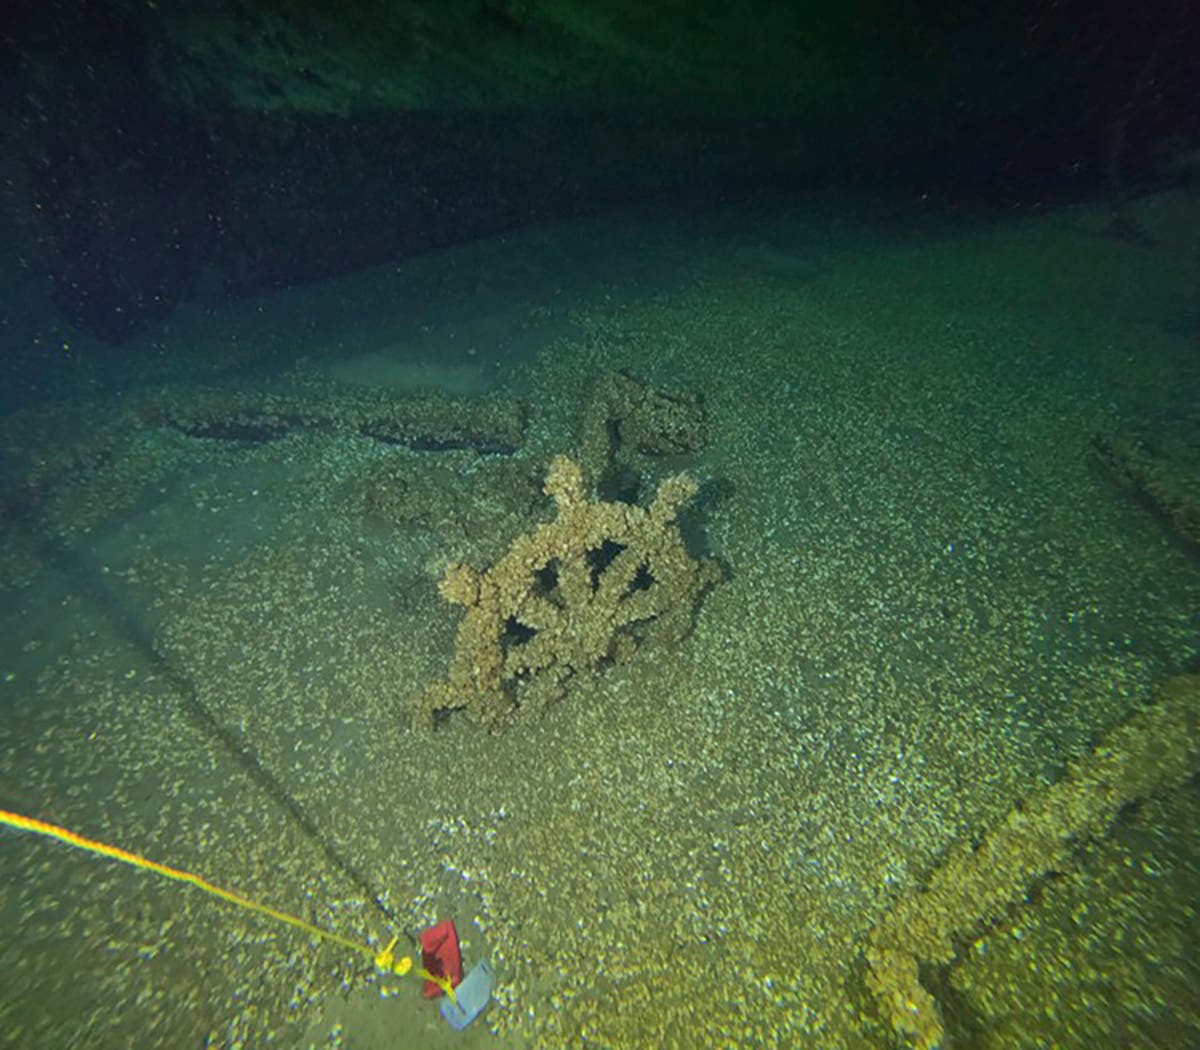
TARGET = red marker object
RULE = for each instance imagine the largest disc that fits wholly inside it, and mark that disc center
(440, 955)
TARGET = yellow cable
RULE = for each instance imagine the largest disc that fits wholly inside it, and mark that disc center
(385, 960)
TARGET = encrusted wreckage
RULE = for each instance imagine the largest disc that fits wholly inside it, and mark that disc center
(1155, 750)
(625, 419)
(587, 587)
(1159, 462)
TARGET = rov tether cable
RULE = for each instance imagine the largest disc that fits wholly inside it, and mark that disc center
(386, 959)
(84, 579)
